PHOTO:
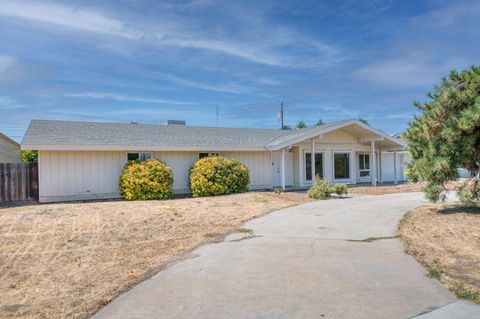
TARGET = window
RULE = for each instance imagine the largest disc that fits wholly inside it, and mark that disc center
(318, 165)
(138, 156)
(206, 154)
(341, 163)
(364, 165)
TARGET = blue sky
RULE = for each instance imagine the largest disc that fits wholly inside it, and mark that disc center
(149, 61)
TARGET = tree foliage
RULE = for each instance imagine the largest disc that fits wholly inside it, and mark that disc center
(445, 135)
(364, 121)
(29, 156)
(319, 122)
(301, 124)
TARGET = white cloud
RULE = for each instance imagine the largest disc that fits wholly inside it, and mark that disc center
(406, 72)
(262, 44)
(66, 16)
(6, 62)
(7, 103)
(127, 98)
(227, 88)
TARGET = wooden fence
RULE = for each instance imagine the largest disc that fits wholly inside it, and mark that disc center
(18, 182)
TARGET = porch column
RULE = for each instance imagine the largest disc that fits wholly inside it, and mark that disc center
(373, 164)
(395, 167)
(282, 170)
(312, 161)
(380, 170)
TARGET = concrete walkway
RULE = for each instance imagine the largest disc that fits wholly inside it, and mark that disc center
(299, 263)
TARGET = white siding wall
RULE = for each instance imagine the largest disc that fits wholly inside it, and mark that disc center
(180, 162)
(9, 153)
(69, 175)
(74, 175)
(259, 166)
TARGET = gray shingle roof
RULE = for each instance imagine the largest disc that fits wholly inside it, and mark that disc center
(42, 132)
(52, 135)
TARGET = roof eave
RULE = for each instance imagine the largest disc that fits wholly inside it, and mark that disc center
(60, 147)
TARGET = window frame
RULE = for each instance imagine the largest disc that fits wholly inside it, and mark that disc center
(208, 154)
(139, 153)
(308, 151)
(350, 157)
(362, 160)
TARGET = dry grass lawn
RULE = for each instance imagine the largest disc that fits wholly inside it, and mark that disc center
(67, 260)
(446, 240)
(392, 189)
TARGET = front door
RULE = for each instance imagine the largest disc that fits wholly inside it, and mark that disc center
(363, 174)
(276, 165)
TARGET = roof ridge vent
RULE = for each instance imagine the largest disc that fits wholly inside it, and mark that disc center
(175, 122)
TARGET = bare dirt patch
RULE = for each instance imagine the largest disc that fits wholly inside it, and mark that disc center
(446, 240)
(393, 189)
(67, 260)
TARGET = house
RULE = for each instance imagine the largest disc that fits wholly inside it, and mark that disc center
(9, 150)
(83, 160)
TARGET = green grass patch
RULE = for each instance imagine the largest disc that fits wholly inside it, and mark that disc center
(434, 272)
(244, 230)
(372, 239)
(463, 292)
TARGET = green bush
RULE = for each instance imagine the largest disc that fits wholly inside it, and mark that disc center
(150, 179)
(340, 189)
(29, 156)
(216, 175)
(321, 189)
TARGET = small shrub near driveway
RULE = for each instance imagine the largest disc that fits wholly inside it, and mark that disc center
(151, 179)
(323, 190)
(340, 189)
(216, 175)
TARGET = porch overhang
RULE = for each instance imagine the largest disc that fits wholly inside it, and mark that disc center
(365, 133)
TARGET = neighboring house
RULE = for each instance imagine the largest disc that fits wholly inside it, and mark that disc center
(9, 150)
(83, 160)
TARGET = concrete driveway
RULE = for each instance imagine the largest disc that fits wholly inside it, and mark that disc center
(298, 264)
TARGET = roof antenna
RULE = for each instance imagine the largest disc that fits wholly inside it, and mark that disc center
(217, 115)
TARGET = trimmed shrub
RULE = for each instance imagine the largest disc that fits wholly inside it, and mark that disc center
(216, 175)
(320, 190)
(150, 179)
(340, 189)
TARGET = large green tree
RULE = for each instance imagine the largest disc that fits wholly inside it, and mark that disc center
(445, 136)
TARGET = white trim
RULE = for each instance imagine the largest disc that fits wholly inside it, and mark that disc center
(282, 169)
(373, 161)
(351, 168)
(360, 178)
(134, 148)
